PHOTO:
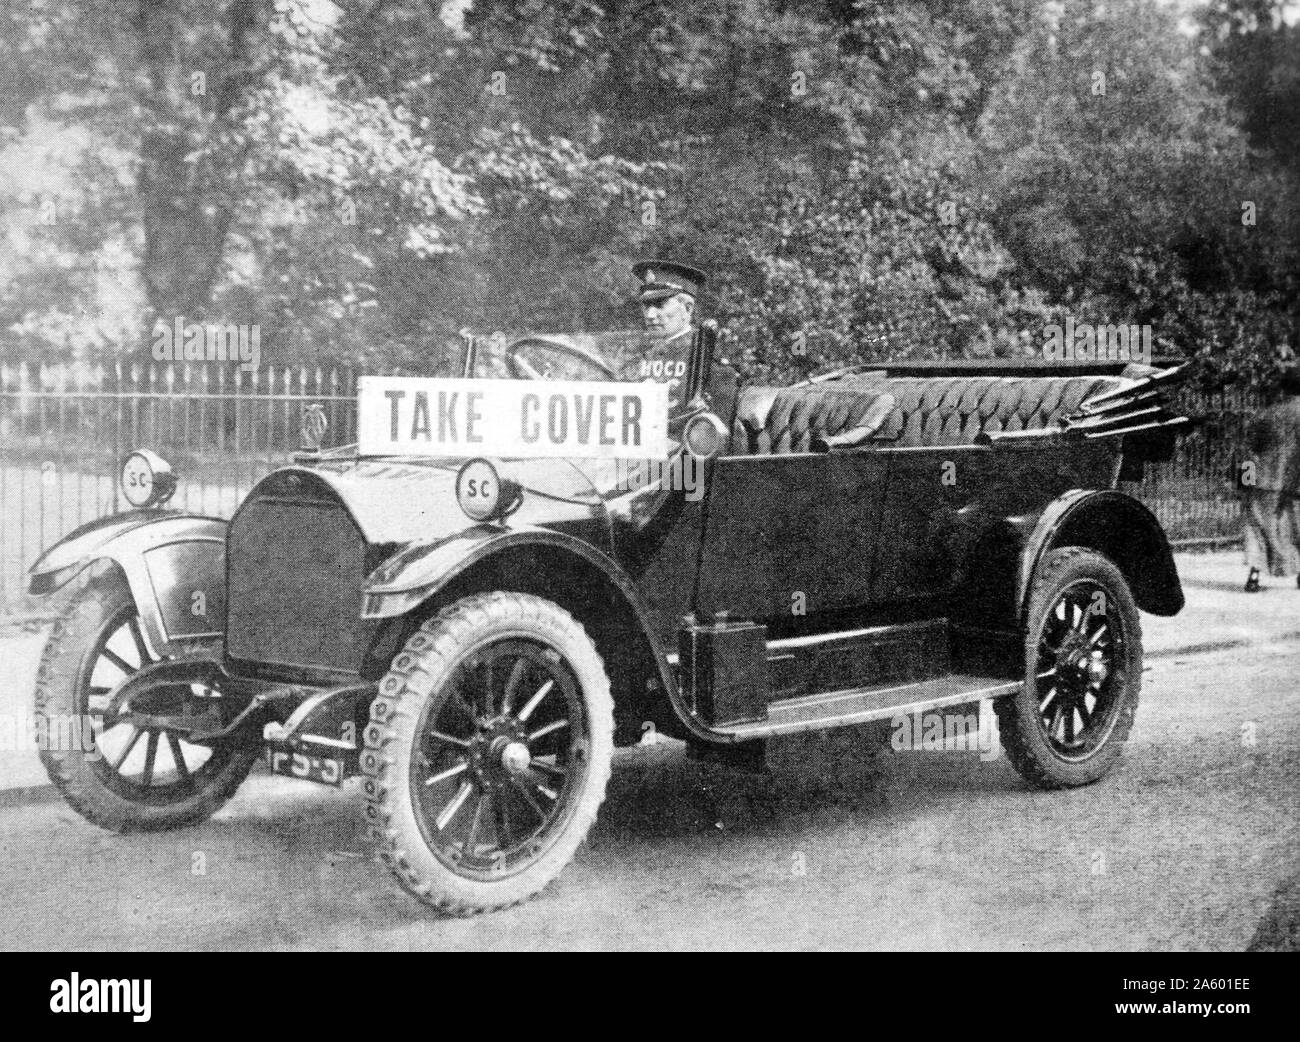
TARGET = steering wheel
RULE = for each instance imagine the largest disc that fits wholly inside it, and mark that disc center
(520, 368)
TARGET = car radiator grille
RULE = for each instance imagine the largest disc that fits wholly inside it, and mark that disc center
(296, 570)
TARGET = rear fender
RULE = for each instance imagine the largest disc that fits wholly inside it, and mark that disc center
(1118, 526)
(174, 564)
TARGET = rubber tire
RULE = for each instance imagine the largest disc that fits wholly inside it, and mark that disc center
(1021, 733)
(73, 773)
(428, 659)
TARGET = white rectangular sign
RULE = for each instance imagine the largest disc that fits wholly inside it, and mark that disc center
(417, 416)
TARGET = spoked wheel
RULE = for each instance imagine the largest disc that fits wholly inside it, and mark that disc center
(488, 752)
(136, 767)
(1078, 699)
(1083, 672)
(502, 749)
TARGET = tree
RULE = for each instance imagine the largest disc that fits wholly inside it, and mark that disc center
(245, 173)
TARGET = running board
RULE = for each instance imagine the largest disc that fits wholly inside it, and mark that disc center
(863, 705)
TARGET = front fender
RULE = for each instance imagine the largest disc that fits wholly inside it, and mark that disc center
(59, 563)
(174, 563)
(418, 573)
(410, 577)
(1118, 526)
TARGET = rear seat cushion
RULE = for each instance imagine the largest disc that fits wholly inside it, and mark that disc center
(771, 421)
(927, 410)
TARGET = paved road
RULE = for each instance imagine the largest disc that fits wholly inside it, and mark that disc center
(840, 847)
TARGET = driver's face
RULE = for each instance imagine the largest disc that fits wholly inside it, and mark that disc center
(665, 318)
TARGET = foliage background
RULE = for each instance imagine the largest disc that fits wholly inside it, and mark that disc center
(863, 180)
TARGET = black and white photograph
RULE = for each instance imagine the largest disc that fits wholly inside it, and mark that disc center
(651, 475)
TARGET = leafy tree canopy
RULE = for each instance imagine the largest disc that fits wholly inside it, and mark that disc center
(862, 179)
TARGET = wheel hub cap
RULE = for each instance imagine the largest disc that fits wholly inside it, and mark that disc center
(499, 753)
(515, 757)
(1081, 668)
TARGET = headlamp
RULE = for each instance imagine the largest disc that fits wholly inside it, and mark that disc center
(147, 479)
(483, 494)
(704, 435)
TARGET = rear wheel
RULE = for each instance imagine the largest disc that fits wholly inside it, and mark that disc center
(488, 752)
(134, 766)
(1083, 672)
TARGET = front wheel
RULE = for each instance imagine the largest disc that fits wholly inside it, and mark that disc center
(1083, 672)
(133, 765)
(488, 752)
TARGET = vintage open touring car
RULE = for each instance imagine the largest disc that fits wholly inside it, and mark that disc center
(473, 637)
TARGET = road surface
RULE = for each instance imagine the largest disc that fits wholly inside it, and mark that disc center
(840, 846)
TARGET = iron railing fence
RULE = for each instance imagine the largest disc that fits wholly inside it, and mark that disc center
(65, 430)
(1194, 494)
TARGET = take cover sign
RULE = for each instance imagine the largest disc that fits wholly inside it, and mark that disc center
(417, 416)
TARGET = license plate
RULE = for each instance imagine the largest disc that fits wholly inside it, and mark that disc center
(327, 770)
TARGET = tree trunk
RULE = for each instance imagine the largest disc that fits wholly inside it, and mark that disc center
(186, 218)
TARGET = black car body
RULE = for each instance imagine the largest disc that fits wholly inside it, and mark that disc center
(833, 553)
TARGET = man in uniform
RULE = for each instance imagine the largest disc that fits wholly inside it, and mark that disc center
(1271, 505)
(667, 295)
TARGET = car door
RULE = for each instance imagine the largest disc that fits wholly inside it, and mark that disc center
(789, 535)
(922, 495)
